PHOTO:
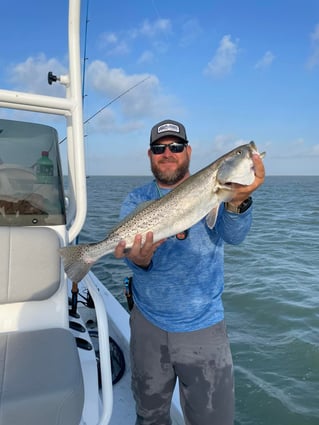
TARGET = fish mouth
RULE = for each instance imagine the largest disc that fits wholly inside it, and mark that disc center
(241, 180)
(231, 176)
(231, 185)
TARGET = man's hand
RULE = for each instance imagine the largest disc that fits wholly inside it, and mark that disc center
(243, 192)
(140, 254)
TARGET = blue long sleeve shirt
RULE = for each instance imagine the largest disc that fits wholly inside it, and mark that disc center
(181, 289)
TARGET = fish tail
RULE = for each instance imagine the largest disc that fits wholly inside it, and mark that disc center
(76, 261)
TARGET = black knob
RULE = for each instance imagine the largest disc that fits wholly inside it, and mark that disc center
(52, 78)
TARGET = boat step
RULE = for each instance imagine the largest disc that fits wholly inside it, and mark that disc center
(76, 326)
(83, 343)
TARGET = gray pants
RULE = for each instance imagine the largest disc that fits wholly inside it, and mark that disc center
(202, 362)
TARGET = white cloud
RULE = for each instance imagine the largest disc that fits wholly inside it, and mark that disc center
(315, 34)
(315, 149)
(146, 57)
(137, 96)
(224, 58)
(111, 43)
(109, 38)
(152, 29)
(32, 75)
(297, 148)
(314, 57)
(112, 81)
(265, 61)
(121, 43)
(206, 151)
(190, 32)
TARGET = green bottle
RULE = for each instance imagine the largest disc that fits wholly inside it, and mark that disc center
(44, 169)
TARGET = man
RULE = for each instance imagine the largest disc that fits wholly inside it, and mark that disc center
(177, 323)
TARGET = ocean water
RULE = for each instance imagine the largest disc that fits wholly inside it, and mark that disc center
(271, 295)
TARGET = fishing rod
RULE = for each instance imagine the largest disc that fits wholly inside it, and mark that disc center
(110, 103)
(85, 58)
(116, 98)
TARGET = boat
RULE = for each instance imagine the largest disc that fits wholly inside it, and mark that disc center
(64, 346)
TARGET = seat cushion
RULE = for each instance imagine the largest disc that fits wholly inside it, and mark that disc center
(29, 264)
(40, 378)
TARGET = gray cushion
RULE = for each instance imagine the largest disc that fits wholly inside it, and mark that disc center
(40, 378)
(29, 268)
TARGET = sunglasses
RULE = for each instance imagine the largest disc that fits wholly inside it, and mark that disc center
(173, 147)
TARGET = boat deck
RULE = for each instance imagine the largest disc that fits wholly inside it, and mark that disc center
(123, 401)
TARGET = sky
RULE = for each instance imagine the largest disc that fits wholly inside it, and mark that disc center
(231, 71)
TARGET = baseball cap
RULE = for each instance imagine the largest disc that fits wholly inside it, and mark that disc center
(168, 128)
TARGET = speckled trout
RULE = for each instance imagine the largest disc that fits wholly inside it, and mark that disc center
(198, 196)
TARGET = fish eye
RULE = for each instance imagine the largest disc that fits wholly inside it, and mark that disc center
(239, 152)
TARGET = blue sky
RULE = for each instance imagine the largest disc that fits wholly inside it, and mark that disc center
(231, 70)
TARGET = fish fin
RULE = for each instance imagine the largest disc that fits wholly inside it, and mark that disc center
(212, 217)
(76, 261)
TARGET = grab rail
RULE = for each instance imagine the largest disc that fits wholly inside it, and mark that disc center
(71, 108)
(105, 361)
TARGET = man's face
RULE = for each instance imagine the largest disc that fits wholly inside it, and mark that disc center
(169, 167)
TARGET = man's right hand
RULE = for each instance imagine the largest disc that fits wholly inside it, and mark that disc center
(140, 253)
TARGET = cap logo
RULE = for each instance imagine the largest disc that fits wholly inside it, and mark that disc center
(168, 127)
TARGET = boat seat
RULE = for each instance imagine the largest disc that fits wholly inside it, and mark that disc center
(40, 372)
(33, 290)
(29, 264)
(41, 383)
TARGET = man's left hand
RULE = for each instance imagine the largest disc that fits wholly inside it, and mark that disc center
(243, 192)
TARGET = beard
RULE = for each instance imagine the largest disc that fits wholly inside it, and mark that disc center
(170, 177)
